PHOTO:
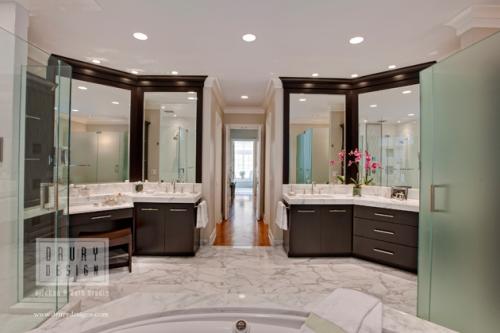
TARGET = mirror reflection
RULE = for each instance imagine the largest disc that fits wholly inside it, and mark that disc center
(389, 130)
(170, 136)
(99, 133)
(317, 135)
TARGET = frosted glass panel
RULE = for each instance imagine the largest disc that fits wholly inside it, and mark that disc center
(459, 221)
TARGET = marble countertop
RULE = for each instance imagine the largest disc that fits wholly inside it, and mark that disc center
(344, 199)
(127, 200)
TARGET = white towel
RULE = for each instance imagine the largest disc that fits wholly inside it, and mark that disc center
(348, 311)
(202, 215)
(281, 216)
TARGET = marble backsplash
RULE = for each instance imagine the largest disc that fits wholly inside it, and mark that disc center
(378, 191)
(89, 193)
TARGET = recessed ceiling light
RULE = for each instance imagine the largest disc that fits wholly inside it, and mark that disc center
(406, 92)
(175, 115)
(373, 105)
(244, 97)
(302, 99)
(82, 88)
(315, 74)
(365, 121)
(411, 115)
(191, 92)
(115, 102)
(134, 71)
(249, 38)
(191, 98)
(163, 107)
(174, 72)
(140, 36)
(354, 75)
(96, 61)
(75, 110)
(356, 40)
(392, 66)
(399, 121)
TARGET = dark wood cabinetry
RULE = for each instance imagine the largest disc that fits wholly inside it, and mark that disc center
(316, 230)
(166, 229)
(386, 236)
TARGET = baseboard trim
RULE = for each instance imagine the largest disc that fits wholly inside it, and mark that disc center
(274, 241)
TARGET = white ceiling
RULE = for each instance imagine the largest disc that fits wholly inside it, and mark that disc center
(315, 109)
(391, 105)
(95, 105)
(294, 37)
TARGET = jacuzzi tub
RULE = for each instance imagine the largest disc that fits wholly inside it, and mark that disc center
(212, 320)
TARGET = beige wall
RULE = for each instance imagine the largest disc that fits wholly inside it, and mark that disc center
(244, 118)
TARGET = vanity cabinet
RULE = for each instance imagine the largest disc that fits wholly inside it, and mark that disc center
(386, 235)
(319, 230)
(102, 221)
(166, 229)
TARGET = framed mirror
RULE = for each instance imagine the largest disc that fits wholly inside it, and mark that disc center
(389, 130)
(100, 127)
(170, 136)
(316, 136)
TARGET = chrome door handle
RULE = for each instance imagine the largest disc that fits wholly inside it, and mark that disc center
(338, 211)
(383, 251)
(149, 209)
(384, 215)
(100, 217)
(383, 232)
(433, 198)
(178, 209)
(306, 211)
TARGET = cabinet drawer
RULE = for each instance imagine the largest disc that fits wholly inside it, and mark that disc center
(387, 215)
(107, 215)
(393, 254)
(385, 231)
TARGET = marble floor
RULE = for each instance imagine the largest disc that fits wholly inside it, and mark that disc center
(222, 275)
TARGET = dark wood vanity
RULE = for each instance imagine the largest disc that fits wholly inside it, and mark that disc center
(382, 235)
(166, 229)
(157, 228)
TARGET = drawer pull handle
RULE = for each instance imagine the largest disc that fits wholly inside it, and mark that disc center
(384, 215)
(100, 217)
(338, 211)
(178, 209)
(306, 211)
(383, 251)
(149, 209)
(383, 232)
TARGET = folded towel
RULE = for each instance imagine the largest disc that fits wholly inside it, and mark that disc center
(281, 216)
(346, 311)
(202, 215)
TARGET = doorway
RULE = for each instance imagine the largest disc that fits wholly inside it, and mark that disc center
(242, 224)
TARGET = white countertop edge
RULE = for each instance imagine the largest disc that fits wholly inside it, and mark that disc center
(407, 205)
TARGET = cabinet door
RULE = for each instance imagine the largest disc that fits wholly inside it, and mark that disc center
(149, 229)
(336, 230)
(305, 230)
(179, 229)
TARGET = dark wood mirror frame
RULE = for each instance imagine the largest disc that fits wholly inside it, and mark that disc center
(138, 85)
(351, 88)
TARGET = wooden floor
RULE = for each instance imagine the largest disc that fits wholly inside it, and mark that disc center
(242, 229)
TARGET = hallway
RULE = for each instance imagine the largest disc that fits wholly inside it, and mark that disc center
(241, 229)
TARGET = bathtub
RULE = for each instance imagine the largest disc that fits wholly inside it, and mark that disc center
(210, 320)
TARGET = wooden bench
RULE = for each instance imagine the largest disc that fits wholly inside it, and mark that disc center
(116, 238)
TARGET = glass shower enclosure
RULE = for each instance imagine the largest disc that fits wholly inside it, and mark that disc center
(459, 272)
(34, 160)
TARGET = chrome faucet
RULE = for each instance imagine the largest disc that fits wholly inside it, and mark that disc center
(313, 184)
(173, 185)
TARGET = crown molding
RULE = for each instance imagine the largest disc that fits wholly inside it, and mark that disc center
(476, 16)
